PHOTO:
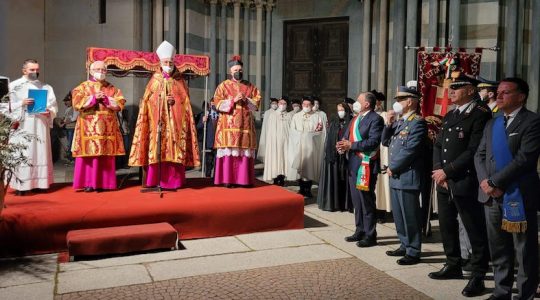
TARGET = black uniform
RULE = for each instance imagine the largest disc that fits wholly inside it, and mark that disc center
(454, 152)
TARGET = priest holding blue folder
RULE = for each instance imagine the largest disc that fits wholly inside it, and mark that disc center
(34, 116)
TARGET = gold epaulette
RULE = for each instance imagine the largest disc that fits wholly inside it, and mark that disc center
(414, 116)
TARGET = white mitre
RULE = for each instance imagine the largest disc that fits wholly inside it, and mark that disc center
(165, 50)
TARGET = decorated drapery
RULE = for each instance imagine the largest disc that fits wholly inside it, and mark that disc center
(435, 69)
(127, 60)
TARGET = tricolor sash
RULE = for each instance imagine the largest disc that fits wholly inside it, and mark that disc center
(362, 177)
(513, 209)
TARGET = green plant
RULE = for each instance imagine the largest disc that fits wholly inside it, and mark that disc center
(11, 153)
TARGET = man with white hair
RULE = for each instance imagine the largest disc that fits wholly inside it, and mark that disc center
(97, 138)
(165, 139)
(38, 174)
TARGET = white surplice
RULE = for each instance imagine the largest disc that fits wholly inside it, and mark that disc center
(273, 144)
(38, 151)
(306, 146)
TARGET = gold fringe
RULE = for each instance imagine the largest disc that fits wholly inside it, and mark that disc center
(514, 227)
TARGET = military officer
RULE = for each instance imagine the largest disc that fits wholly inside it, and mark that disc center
(455, 176)
(488, 92)
(405, 139)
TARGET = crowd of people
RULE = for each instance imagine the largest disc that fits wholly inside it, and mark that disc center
(482, 162)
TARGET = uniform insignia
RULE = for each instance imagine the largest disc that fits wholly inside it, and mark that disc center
(461, 135)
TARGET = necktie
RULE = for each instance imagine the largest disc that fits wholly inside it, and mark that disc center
(456, 113)
(506, 118)
(399, 123)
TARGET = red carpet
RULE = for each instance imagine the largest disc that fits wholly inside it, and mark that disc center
(38, 223)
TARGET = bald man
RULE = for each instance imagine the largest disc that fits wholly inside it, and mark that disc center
(97, 139)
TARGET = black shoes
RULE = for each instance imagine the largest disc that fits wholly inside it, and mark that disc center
(408, 260)
(367, 242)
(475, 287)
(447, 272)
(279, 180)
(354, 238)
(88, 189)
(20, 193)
(397, 252)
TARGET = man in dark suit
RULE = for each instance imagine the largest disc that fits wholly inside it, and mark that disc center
(455, 176)
(207, 118)
(405, 140)
(509, 187)
(361, 140)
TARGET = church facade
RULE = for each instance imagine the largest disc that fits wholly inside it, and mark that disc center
(331, 48)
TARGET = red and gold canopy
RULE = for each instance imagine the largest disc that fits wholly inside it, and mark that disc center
(128, 60)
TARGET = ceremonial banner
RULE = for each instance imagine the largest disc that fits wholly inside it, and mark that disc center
(435, 70)
(127, 60)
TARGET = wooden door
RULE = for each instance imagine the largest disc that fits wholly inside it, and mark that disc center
(315, 60)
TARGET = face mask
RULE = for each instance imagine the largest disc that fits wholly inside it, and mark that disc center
(341, 114)
(99, 76)
(306, 109)
(166, 69)
(282, 107)
(238, 75)
(398, 108)
(296, 108)
(273, 106)
(357, 107)
(33, 76)
(316, 107)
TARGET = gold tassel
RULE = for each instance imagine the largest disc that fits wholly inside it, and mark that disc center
(514, 227)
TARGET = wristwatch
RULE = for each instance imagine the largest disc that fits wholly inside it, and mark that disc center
(491, 183)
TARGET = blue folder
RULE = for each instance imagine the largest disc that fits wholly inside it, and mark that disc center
(40, 101)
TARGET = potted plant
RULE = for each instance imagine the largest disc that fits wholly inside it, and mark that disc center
(11, 154)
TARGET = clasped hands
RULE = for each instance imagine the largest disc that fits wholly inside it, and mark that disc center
(238, 97)
(440, 178)
(493, 192)
(343, 146)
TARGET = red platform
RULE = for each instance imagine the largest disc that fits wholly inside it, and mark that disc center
(38, 223)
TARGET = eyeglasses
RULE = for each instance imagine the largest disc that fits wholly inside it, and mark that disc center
(102, 70)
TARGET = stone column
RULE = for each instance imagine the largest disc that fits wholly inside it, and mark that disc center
(534, 68)
(511, 34)
(146, 27)
(172, 25)
(213, 55)
(245, 52)
(158, 23)
(267, 66)
(454, 22)
(223, 42)
(236, 22)
(399, 43)
(433, 23)
(383, 41)
(366, 46)
(181, 26)
(411, 39)
(258, 52)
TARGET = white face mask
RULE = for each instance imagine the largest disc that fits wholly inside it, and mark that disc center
(306, 109)
(296, 108)
(282, 107)
(341, 114)
(316, 107)
(273, 106)
(166, 69)
(99, 76)
(398, 108)
(357, 107)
